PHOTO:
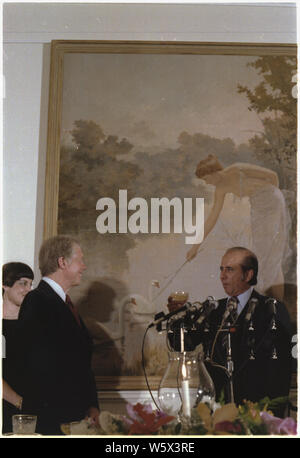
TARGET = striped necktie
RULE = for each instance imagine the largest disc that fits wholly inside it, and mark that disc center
(234, 312)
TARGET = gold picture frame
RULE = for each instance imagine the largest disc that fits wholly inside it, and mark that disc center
(61, 48)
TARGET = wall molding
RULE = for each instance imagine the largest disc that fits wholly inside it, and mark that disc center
(44, 22)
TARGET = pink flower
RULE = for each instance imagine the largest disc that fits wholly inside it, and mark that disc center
(143, 420)
(277, 425)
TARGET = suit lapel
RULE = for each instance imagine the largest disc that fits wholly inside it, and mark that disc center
(243, 332)
(239, 338)
(63, 309)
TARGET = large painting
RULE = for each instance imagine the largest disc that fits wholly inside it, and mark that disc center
(160, 157)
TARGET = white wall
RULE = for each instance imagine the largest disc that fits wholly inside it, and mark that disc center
(28, 31)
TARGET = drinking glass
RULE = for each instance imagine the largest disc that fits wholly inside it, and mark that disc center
(24, 424)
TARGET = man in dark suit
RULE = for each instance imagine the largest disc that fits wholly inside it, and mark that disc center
(247, 337)
(58, 384)
(260, 334)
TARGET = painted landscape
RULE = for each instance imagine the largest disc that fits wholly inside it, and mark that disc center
(143, 123)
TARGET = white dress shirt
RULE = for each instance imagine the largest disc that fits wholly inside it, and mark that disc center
(57, 288)
(243, 299)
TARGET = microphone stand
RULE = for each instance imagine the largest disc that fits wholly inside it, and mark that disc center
(186, 404)
(228, 365)
(273, 327)
(229, 361)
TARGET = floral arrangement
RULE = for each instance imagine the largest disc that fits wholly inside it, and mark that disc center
(214, 420)
(228, 419)
(141, 419)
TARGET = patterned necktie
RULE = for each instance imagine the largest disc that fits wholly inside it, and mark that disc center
(234, 311)
(73, 309)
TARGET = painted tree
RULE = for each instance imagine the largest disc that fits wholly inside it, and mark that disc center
(273, 99)
(91, 169)
(87, 134)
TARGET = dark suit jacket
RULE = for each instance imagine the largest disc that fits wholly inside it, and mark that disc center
(253, 379)
(57, 380)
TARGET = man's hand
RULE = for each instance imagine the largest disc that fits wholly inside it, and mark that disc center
(177, 300)
(173, 307)
(93, 413)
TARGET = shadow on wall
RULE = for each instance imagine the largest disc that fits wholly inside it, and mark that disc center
(289, 300)
(117, 322)
(97, 307)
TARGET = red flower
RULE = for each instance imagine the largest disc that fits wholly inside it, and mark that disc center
(147, 422)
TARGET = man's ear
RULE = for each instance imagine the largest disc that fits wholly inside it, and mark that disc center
(5, 287)
(249, 275)
(61, 262)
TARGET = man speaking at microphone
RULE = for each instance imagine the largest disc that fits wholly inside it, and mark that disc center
(259, 329)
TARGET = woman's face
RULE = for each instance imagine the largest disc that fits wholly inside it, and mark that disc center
(16, 293)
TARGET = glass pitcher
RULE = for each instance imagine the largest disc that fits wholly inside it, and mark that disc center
(185, 383)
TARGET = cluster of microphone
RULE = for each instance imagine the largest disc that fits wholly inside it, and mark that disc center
(195, 311)
(200, 311)
(192, 315)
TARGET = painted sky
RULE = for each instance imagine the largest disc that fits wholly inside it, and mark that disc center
(149, 99)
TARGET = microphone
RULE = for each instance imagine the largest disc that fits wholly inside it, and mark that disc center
(231, 307)
(160, 317)
(272, 307)
(208, 306)
(252, 305)
(197, 312)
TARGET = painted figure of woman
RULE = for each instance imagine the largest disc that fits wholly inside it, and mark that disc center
(267, 214)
